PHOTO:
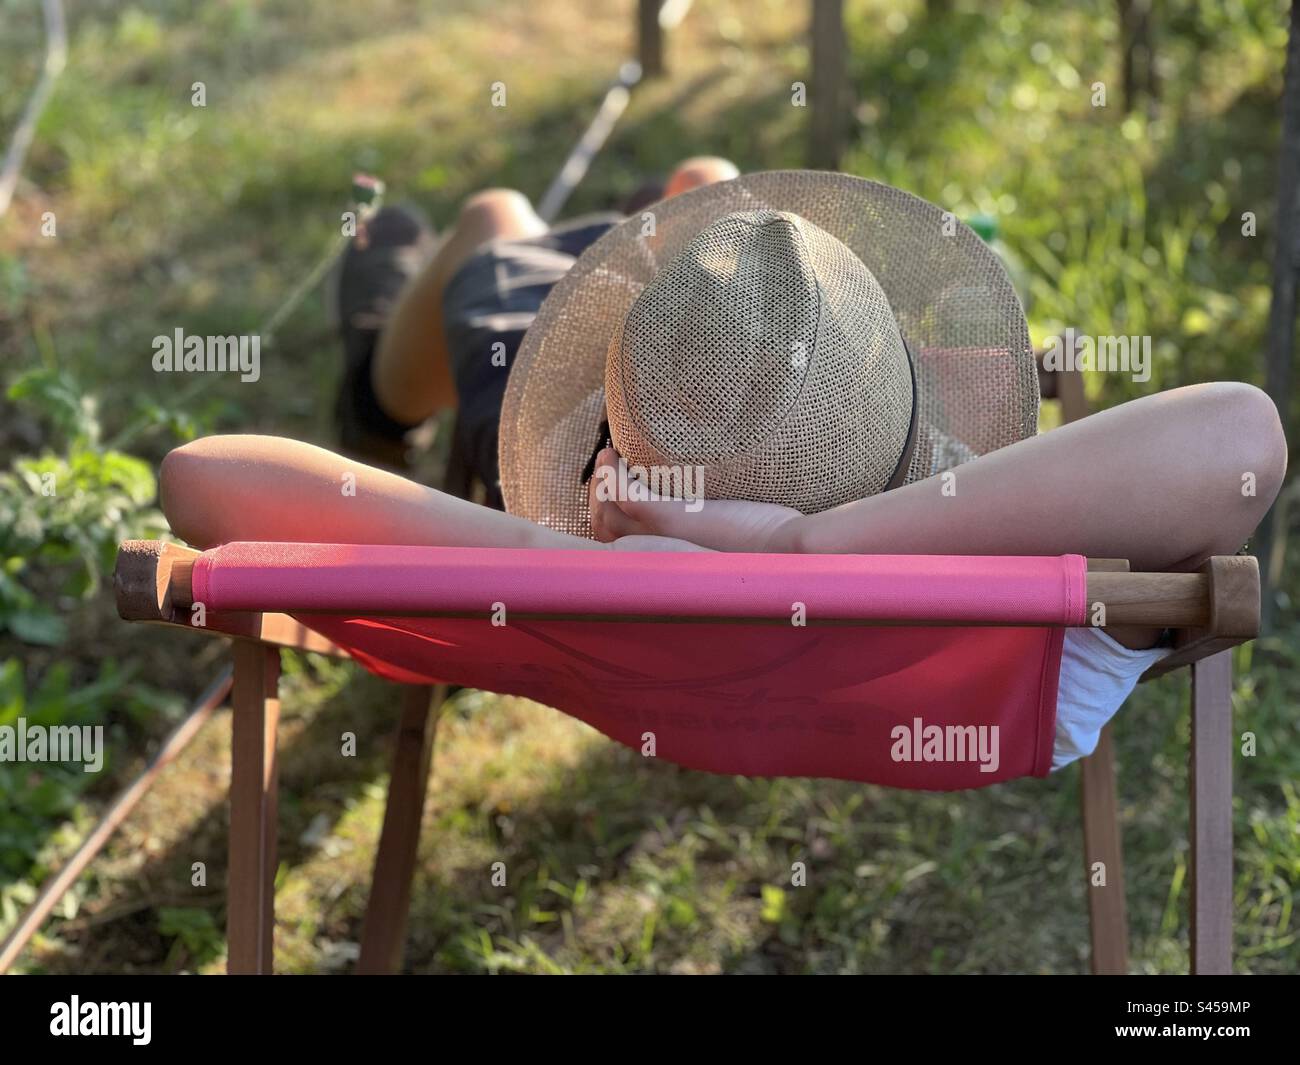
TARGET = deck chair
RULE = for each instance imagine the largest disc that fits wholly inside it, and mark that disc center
(419, 615)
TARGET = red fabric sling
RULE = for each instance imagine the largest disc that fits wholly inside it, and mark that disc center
(953, 704)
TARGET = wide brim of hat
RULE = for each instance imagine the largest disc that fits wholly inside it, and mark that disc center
(977, 384)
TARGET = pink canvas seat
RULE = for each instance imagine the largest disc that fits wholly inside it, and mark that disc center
(957, 703)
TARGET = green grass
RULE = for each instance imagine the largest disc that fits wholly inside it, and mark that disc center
(206, 217)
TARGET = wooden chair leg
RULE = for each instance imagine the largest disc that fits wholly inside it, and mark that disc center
(1107, 916)
(1210, 780)
(255, 714)
(383, 933)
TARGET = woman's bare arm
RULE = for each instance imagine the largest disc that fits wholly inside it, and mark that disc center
(224, 488)
(1164, 481)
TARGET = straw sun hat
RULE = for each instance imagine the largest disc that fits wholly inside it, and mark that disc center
(807, 338)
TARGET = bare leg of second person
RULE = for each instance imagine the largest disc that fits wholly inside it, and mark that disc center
(412, 370)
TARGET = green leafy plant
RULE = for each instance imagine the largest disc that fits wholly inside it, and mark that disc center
(194, 932)
(63, 512)
(35, 798)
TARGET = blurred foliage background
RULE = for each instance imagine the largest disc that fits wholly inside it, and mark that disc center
(1117, 221)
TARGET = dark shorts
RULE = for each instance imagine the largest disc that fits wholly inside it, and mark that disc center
(487, 306)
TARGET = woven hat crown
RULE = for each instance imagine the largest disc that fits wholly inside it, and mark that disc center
(766, 353)
(896, 264)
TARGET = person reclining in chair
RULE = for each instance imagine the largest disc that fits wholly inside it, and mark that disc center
(813, 362)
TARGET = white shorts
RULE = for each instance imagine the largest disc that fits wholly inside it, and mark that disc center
(1097, 675)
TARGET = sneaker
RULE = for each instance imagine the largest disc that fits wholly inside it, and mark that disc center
(389, 249)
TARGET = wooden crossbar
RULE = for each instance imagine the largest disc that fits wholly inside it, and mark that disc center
(154, 583)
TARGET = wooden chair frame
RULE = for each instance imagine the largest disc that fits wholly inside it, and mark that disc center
(1211, 611)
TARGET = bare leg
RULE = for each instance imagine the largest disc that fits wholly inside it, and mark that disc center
(412, 369)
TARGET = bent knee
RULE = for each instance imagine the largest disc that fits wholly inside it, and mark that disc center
(497, 213)
(496, 202)
(699, 170)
